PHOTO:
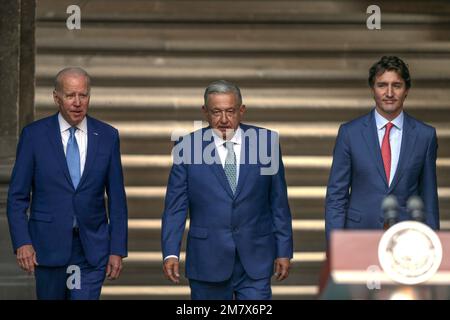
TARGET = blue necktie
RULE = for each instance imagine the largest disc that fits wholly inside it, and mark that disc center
(73, 158)
(230, 165)
(73, 162)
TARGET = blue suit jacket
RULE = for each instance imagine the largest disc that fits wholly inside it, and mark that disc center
(358, 185)
(255, 221)
(41, 169)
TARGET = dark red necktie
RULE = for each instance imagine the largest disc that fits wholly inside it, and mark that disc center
(386, 151)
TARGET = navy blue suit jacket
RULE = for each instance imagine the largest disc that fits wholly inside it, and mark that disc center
(41, 169)
(256, 221)
(358, 185)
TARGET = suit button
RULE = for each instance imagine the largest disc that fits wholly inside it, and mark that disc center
(235, 229)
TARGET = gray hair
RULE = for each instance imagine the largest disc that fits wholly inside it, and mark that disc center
(73, 71)
(222, 86)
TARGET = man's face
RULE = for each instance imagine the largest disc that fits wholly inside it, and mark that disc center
(389, 91)
(72, 98)
(223, 113)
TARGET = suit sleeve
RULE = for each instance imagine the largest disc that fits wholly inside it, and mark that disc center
(175, 210)
(281, 213)
(19, 192)
(117, 204)
(428, 185)
(339, 182)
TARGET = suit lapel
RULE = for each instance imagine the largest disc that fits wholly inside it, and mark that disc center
(54, 135)
(406, 149)
(373, 145)
(244, 164)
(244, 169)
(92, 147)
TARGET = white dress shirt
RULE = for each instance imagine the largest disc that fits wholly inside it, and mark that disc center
(80, 136)
(395, 138)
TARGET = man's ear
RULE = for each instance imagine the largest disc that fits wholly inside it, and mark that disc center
(242, 109)
(55, 98)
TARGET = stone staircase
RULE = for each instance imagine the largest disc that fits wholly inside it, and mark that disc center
(302, 67)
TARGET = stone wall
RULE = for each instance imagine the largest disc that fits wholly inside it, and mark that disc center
(17, 66)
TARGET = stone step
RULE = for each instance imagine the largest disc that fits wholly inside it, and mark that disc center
(296, 138)
(299, 225)
(276, 104)
(150, 140)
(148, 203)
(20, 290)
(250, 39)
(153, 170)
(245, 11)
(141, 239)
(145, 268)
(157, 71)
(309, 235)
(180, 292)
(305, 202)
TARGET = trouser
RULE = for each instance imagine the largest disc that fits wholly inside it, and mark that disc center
(240, 287)
(78, 280)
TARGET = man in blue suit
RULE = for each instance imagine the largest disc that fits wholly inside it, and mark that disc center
(240, 222)
(385, 152)
(67, 161)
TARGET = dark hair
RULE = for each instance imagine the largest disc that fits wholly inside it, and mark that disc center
(390, 63)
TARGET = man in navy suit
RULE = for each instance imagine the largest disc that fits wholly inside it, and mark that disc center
(67, 161)
(240, 223)
(385, 152)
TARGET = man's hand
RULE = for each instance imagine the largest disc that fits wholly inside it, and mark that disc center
(114, 267)
(282, 266)
(171, 269)
(26, 258)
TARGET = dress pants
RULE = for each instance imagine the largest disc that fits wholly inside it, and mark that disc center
(51, 282)
(240, 287)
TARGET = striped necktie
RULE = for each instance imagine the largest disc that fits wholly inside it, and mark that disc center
(230, 165)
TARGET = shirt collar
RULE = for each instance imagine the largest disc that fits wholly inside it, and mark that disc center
(64, 125)
(381, 121)
(236, 139)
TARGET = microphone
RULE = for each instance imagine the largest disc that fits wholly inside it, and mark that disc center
(390, 209)
(415, 208)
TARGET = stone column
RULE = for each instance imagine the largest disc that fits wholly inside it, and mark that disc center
(17, 64)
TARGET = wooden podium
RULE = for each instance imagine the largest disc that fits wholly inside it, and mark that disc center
(353, 270)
